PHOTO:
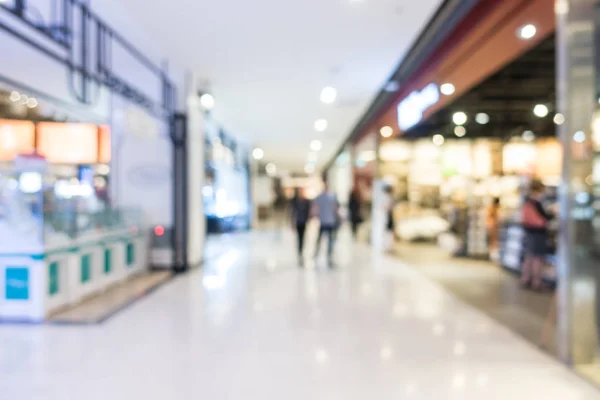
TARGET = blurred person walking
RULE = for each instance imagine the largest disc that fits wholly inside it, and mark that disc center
(535, 222)
(326, 208)
(301, 209)
(355, 211)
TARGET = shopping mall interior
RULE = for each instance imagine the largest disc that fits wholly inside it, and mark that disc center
(327, 199)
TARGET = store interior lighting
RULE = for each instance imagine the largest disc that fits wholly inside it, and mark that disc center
(447, 89)
(328, 95)
(207, 101)
(540, 110)
(313, 157)
(460, 131)
(579, 136)
(459, 118)
(527, 32)
(386, 131)
(316, 145)
(15, 96)
(271, 169)
(528, 136)
(438, 140)
(321, 125)
(258, 153)
(32, 102)
(482, 118)
(559, 119)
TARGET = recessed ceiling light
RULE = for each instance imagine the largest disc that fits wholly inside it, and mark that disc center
(391, 86)
(316, 145)
(459, 118)
(528, 136)
(540, 110)
(438, 140)
(579, 136)
(482, 118)
(527, 32)
(32, 102)
(309, 168)
(321, 125)
(559, 119)
(328, 95)
(15, 96)
(460, 131)
(386, 131)
(207, 101)
(447, 89)
(313, 157)
(271, 169)
(258, 153)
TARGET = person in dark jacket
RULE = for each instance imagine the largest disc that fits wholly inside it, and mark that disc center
(535, 222)
(355, 211)
(301, 209)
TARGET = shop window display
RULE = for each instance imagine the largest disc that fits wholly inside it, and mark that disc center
(56, 218)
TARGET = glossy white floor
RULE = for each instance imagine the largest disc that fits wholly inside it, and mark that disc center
(252, 325)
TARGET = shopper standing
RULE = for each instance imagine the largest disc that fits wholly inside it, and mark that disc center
(355, 210)
(492, 224)
(326, 208)
(535, 222)
(301, 214)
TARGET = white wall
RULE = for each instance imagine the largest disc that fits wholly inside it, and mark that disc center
(195, 170)
(142, 166)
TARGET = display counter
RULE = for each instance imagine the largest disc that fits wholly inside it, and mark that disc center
(65, 258)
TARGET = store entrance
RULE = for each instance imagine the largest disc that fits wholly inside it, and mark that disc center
(460, 180)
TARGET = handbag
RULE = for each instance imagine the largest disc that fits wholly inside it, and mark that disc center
(531, 218)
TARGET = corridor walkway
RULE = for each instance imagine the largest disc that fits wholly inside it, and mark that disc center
(252, 325)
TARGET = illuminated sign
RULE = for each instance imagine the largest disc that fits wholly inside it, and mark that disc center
(68, 143)
(410, 110)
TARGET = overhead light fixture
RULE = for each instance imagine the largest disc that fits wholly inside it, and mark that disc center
(527, 32)
(32, 102)
(316, 145)
(559, 119)
(391, 87)
(328, 95)
(386, 131)
(438, 140)
(482, 118)
(447, 89)
(207, 101)
(14, 96)
(321, 125)
(309, 168)
(313, 157)
(540, 110)
(460, 131)
(460, 118)
(24, 99)
(258, 153)
(271, 169)
(579, 136)
(528, 136)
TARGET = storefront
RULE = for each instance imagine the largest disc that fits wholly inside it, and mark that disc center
(478, 119)
(86, 167)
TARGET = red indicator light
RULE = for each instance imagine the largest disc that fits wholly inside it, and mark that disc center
(159, 230)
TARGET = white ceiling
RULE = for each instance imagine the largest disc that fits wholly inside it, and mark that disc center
(266, 61)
